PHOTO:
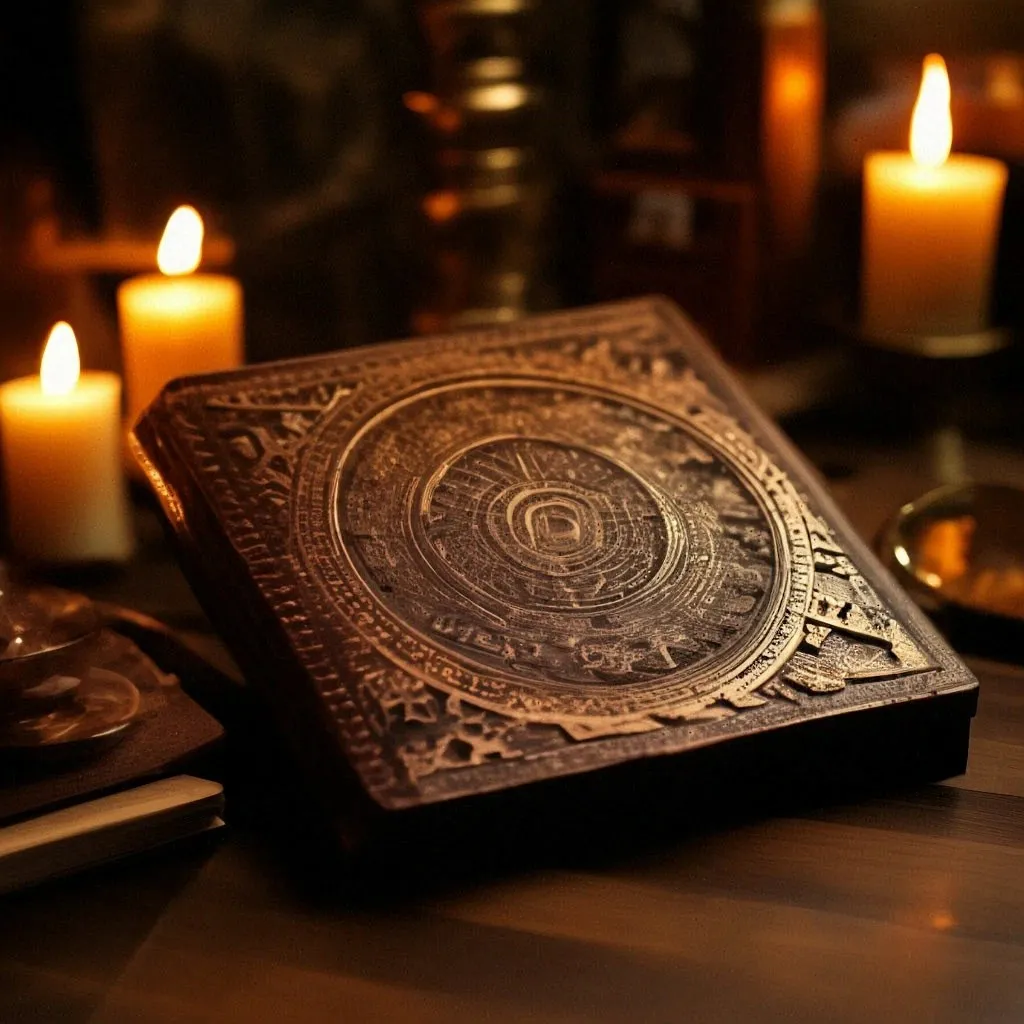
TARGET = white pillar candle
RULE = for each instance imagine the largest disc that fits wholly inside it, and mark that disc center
(930, 227)
(177, 322)
(63, 479)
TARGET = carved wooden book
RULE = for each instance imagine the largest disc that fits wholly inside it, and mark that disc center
(460, 564)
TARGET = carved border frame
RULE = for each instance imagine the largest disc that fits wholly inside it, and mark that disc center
(392, 724)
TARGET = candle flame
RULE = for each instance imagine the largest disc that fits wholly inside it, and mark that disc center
(931, 127)
(60, 366)
(182, 244)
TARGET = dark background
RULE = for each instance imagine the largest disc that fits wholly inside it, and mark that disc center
(286, 124)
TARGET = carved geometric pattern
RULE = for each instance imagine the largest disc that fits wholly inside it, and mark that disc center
(517, 547)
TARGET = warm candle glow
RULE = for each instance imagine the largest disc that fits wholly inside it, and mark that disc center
(795, 85)
(931, 128)
(60, 366)
(177, 322)
(182, 244)
(61, 440)
(931, 222)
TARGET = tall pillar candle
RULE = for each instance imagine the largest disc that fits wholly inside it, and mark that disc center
(63, 479)
(177, 322)
(931, 223)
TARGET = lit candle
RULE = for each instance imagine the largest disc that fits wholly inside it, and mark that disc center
(177, 322)
(63, 475)
(930, 226)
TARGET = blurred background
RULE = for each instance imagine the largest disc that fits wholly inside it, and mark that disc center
(381, 168)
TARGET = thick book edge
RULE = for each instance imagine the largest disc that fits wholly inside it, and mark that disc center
(107, 828)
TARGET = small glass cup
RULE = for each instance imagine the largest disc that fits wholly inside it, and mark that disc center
(55, 693)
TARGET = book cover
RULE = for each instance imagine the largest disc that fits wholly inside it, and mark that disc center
(459, 564)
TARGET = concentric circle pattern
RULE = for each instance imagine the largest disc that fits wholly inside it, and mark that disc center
(553, 550)
(544, 527)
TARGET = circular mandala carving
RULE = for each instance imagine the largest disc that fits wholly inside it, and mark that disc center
(556, 551)
(540, 528)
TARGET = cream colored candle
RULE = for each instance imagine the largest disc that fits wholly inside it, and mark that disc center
(63, 480)
(177, 322)
(931, 223)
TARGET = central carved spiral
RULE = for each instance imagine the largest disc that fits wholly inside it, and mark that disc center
(533, 526)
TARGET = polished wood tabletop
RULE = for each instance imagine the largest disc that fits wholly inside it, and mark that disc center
(907, 906)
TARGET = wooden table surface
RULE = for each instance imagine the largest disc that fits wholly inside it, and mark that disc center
(905, 907)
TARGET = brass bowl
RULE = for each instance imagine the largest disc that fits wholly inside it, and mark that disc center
(959, 551)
